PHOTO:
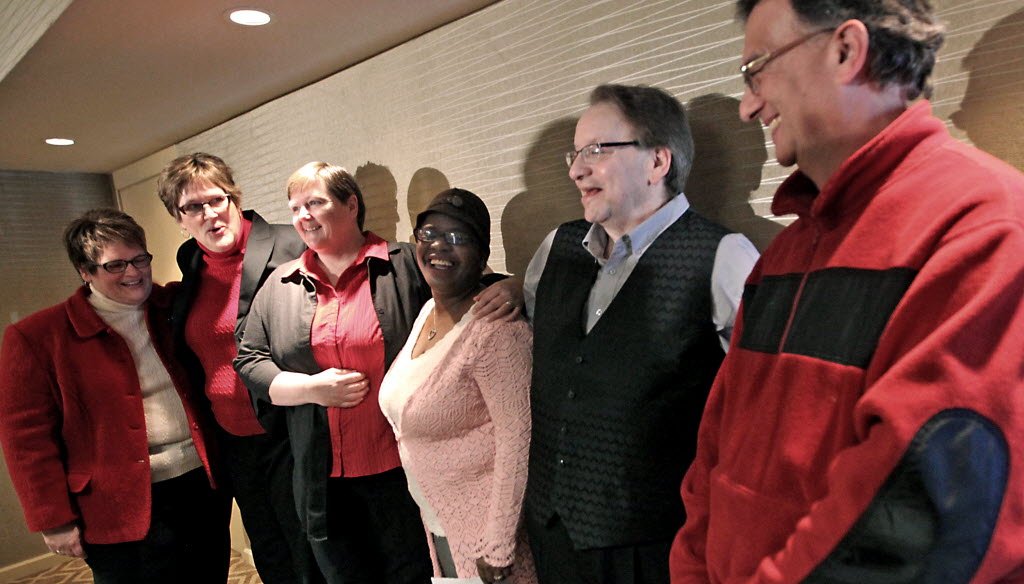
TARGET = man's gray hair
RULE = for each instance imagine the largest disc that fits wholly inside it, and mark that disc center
(904, 35)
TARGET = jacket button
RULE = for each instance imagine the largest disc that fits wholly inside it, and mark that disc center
(571, 394)
(563, 429)
(579, 359)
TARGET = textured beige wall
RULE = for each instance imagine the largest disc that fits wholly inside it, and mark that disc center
(489, 102)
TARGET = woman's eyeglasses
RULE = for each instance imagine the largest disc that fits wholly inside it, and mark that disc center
(430, 235)
(197, 208)
(118, 266)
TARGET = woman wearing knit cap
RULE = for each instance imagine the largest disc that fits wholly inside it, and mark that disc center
(457, 397)
(105, 444)
(228, 257)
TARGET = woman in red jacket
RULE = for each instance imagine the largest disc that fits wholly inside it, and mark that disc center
(103, 442)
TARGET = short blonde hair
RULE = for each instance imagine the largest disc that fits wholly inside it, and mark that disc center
(337, 181)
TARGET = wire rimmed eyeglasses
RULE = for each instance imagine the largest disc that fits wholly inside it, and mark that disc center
(593, 152)
(196, 208)
(754, 66)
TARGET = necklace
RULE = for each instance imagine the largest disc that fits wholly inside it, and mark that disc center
(432, 331)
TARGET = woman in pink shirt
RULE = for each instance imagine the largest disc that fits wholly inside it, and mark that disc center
(457, 397)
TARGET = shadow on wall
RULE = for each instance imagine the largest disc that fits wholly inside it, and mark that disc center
(380, 195)
(425, 183)
(992, 110)
(728, 157)
(549, 200)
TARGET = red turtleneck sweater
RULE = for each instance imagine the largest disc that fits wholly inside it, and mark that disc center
(210, 332)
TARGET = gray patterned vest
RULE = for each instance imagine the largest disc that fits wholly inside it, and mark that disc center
(615, 411)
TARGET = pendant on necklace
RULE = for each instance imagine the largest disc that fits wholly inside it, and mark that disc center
(431, 334)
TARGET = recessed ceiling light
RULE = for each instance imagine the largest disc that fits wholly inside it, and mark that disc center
(60, 141)
(249, 17)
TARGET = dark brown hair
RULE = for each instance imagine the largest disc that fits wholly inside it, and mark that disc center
(85, 237)
(194, 168)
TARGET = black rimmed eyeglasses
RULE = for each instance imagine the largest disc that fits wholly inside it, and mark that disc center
(118, 266)
(754, 66)
(430, 235)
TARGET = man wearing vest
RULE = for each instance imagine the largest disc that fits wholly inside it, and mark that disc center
(632, 308)
(868, 423)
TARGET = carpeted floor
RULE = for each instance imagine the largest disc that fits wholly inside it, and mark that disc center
(76, 572)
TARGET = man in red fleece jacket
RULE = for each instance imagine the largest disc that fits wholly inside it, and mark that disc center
(867, 424)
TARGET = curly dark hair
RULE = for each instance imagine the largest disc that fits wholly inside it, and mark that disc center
(904, 35)
(659, 120)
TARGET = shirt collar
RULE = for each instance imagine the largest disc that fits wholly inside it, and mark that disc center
(373, 247)
(641, 237)
(915, 133)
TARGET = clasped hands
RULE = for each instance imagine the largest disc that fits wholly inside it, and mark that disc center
(340, 388)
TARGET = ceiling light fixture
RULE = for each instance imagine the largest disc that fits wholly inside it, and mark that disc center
(60, 141)
(249, 17)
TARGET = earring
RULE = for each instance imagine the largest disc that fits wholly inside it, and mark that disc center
(184, 233)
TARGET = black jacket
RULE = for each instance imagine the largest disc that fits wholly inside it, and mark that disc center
(268, 247)
(277, 339)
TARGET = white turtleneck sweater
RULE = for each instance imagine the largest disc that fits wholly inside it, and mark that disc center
(171, 451)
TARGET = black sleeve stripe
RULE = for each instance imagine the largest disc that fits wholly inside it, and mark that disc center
(766, 308)
(933, 519)
(839, 316)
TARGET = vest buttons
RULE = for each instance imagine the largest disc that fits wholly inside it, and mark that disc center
(563, 429)
(571, 394)
(561, 462)
(579, 359)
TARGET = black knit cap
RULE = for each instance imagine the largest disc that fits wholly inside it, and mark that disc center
(466, 207)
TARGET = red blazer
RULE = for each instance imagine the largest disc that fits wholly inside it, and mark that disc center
(71, 420)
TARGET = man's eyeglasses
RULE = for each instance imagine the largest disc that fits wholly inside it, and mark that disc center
(197, 208)
(591, 153)
(754, 66)
(430, 235)
(118, 266)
